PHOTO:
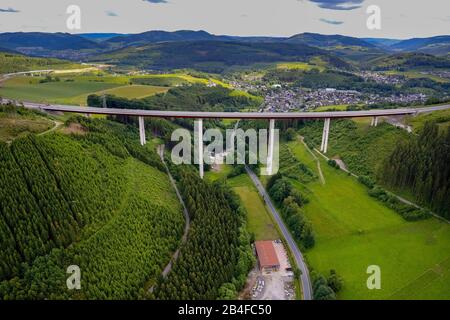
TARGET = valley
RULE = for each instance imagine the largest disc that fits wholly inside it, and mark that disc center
(79, 189)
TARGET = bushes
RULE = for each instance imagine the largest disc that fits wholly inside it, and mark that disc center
(326, 288)
(292, 168)
(407, 211)
(367, 181)
(332, 163)
(236, 171)
(290, 200)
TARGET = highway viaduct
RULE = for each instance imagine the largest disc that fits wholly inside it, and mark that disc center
(270, 116)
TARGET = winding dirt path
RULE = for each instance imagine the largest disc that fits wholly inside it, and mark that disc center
(174, 258)
(319, 169)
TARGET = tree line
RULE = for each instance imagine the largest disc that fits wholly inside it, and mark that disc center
(290, 200)
(420, 165)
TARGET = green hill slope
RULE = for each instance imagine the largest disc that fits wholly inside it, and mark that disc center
(84, 200)
(10, 63)
(354, 231)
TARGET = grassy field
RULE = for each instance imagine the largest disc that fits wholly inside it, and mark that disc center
(363, 148)
(73, 89)
(73, 92)
(29, 89)
(129, 92)
(441, 117)
(14, 126)
(354, 231)
(299, 66)
(338, 107)
(259, 221)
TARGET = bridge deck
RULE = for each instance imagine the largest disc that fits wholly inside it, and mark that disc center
(230, 115)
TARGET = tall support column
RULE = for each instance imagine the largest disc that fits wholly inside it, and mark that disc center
(271, 146)
(374, 122)
(142, 130)
(326, 131)
(200, 146)
(323, 135)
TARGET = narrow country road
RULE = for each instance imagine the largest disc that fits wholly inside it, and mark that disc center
(304, 278)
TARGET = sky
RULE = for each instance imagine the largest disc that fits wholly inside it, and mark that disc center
(400, 19)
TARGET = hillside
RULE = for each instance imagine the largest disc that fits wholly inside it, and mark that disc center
(346, 47)
(10, 63)
(409, 164)
(45, 44)
(409, 61)
(361, 147)
(439, 45)
(326, 41)
(162, 36)
(209, 56)
(84, 199)
(354, 230)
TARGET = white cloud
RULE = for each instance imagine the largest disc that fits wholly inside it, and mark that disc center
(400, 18)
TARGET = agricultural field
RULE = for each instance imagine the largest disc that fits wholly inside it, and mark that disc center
(259, 221)
(354, 231)
(337, 107)
(73, 89)
(299, 66)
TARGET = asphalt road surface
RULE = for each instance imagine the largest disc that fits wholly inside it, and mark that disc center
(304, 278)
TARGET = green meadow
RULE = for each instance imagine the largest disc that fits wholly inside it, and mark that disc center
(354, 231)
(442, 118)
(73, 91)
(259, 221)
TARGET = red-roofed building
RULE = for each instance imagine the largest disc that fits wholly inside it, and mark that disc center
(267, 257)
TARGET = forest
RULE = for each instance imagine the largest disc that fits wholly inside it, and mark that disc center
(84, 199)
(420, 165)
(216, 259)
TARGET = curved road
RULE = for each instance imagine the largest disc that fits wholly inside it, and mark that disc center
(304, 277)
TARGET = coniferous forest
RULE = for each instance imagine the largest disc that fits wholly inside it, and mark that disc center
(420, 165)
(216, 259)
(84, 200)
(99, 200)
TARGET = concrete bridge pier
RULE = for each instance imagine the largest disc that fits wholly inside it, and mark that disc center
(325, 134)
(271, 146)
(199, 139)
(374, 122)
(142, 131)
